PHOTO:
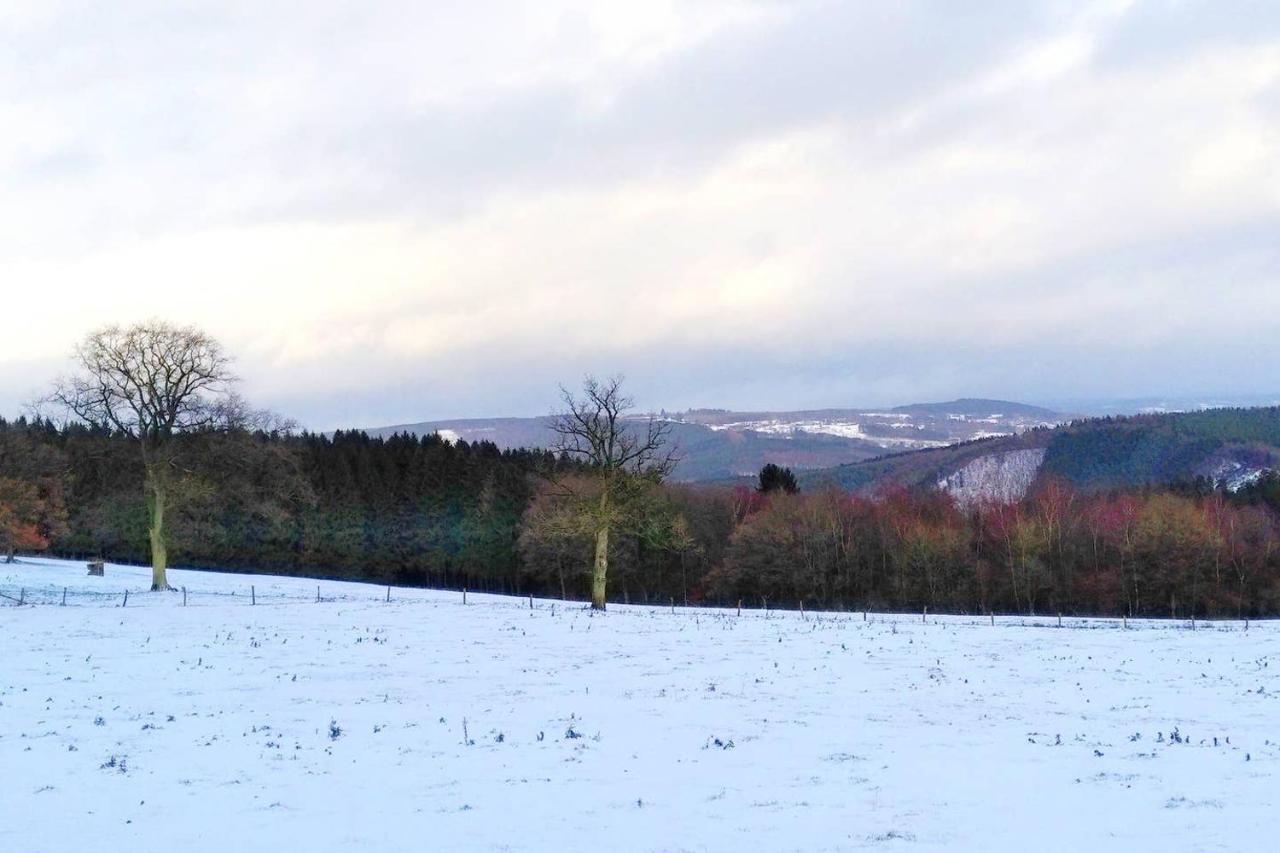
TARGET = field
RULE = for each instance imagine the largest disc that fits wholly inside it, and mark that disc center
(356, 723)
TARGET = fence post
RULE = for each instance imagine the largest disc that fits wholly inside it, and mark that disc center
(739, 606)
(1124, 620)
(531, 601)
(802, 616)
(64, 596)
(1059, 620)
(253, 595)
(993, 618)
(184, 596)
(388, 595)
(126, 599)
(464, 595)
(22, 596)
(924, 614)
(317, 593)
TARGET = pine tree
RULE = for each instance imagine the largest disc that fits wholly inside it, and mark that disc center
(774, 478)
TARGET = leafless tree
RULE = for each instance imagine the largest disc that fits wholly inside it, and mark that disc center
(626, 456)
(151, 381)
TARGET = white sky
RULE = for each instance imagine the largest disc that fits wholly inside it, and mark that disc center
(399, 211)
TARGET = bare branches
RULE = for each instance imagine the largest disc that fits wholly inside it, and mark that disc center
(597, 428)
(233, 414)
(148, 381)
(153, 381)
(627, 458)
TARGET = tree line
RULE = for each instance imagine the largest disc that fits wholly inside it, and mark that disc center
(424, 511)
(1180, 551)
(402, 509)
(154, 467)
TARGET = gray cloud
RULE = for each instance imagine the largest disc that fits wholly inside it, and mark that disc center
(431, 210)
(827, 61)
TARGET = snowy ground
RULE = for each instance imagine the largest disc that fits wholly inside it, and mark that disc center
(356, 724)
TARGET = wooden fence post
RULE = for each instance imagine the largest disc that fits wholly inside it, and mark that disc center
(317, 593)
(184, 596)
(388, 595)
(739, 606)
(253, 595)
(924, 614)
(64, 596)
(464, 595)
(126, 599)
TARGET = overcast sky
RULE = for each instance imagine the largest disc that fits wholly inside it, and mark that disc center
(392, 212)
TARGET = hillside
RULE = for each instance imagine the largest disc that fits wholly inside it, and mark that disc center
(1229, 446)
(718, 444)
(978, 409)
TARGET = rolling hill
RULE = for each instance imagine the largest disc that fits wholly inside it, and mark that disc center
(718, 444)
(1229, 446)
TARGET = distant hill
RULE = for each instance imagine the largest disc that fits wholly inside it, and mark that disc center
(718, 444)
(1229, 446)
(978, 409)
(1165, 405)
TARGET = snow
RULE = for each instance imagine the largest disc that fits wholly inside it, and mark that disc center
(1002, 476)
(1234, 475)
(700, 729)
(843, 429)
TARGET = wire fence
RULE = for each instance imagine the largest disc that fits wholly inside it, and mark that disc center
(252, 595)
(271, 593)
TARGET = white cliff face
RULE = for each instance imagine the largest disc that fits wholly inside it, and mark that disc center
(995, 477)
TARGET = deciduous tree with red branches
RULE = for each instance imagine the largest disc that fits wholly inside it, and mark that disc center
(21, 512)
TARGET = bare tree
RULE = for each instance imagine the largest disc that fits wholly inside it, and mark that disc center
(151, 381)
(626, 457)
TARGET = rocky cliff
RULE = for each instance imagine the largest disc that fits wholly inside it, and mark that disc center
(995, 477)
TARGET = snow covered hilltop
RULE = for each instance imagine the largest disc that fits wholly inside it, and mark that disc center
(719, 444)
(360, 723)
(1225, 448)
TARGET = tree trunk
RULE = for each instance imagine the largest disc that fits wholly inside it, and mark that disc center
(1013, 575)
(601, 569)
(156, 496)
(684, 579)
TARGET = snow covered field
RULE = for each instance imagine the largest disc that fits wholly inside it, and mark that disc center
(356, 724)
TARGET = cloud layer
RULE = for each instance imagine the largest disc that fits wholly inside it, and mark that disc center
(432, 210)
